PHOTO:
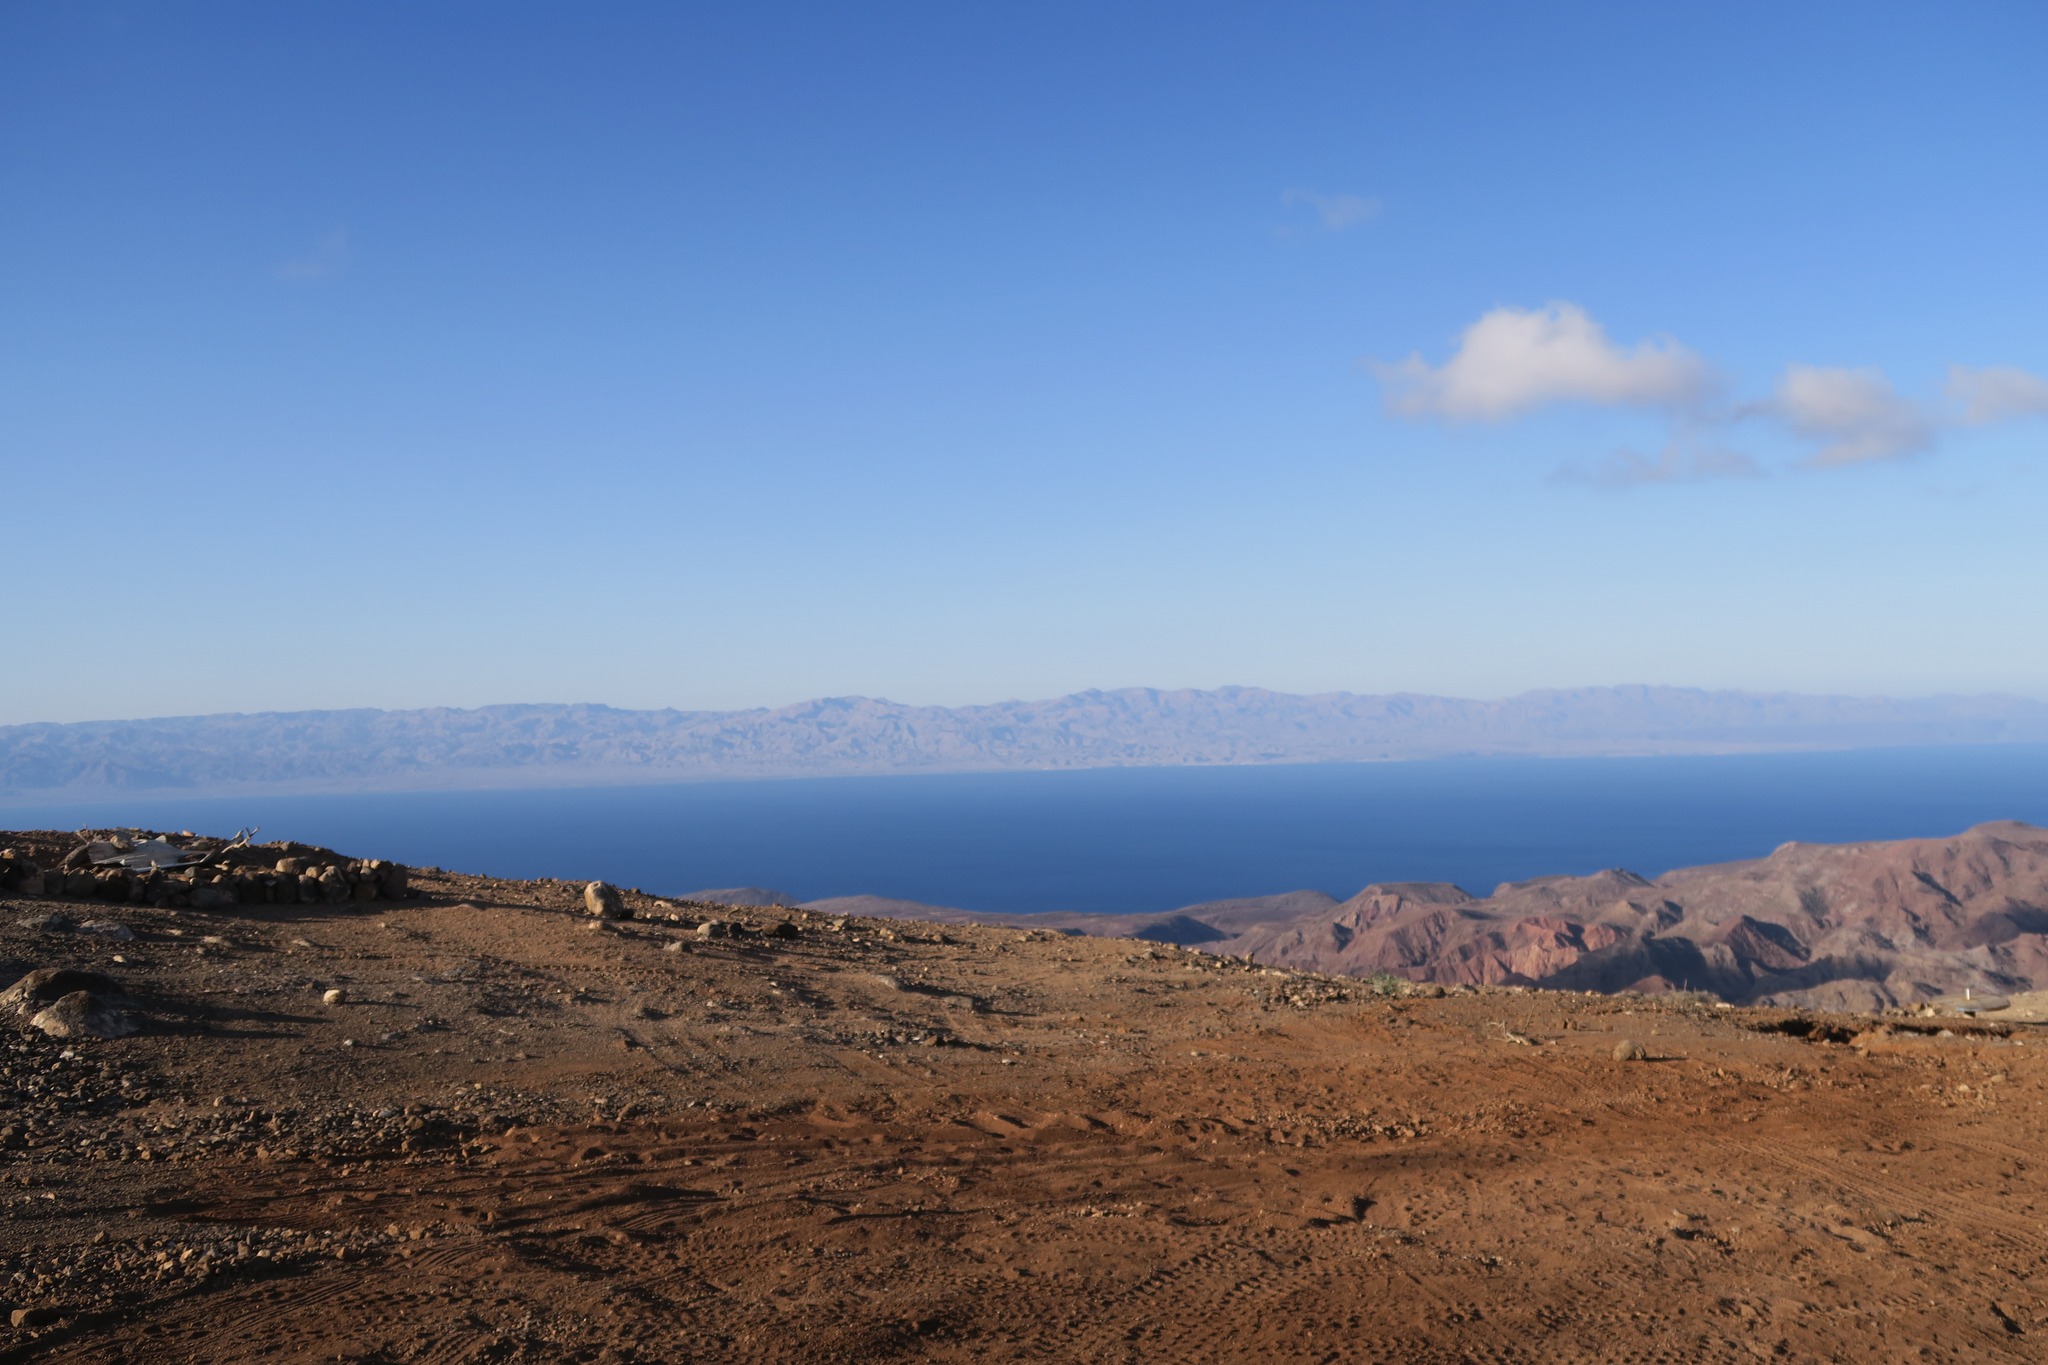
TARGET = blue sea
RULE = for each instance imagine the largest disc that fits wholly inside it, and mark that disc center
(1136, 840)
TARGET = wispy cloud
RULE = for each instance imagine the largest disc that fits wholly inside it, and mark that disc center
(1855, 416)
(1680, 461)
(1515, 360)
(1335, 212)
(327, 257)
(1996, 394)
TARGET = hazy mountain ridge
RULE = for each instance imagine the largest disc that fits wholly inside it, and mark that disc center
(577, 744)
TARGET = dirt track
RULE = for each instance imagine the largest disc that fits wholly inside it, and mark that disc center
(548, 1142)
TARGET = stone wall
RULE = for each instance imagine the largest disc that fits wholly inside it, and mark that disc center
(248, 876)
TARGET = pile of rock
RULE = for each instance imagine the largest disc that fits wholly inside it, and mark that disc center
(292, 880)
(70, 1004)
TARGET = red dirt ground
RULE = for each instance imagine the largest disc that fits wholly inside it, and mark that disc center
(522, 1138)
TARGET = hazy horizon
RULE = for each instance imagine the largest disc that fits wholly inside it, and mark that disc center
(1014, 700)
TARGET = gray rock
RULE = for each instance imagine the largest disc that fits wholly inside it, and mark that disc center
(212, 896)
(107, 928)
(603, 900)
(47, 985)
(1629, 1050)
(83, 1015)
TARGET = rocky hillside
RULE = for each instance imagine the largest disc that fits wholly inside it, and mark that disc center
(567, 745)
(253, 1114)
(1842, 926)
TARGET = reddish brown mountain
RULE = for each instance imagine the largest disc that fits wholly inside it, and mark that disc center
(1842, 926)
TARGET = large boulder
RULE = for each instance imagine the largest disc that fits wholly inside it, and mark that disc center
(47, 985)
(82, 1014)
(67, 1003)
(603, 900)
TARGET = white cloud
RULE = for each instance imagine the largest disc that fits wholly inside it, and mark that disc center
(1856, 415)
(328, 257)
(1513, 360)
(1679, 462)
(1336, 211)
(1997, 393)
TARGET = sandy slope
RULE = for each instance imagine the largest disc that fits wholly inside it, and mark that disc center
(522, 1138)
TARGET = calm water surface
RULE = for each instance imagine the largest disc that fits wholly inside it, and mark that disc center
(1147, 839)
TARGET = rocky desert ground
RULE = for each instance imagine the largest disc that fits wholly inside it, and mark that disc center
(349, 1112)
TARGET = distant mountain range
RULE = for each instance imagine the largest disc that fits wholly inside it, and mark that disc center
(576, 745)
(1834, 926)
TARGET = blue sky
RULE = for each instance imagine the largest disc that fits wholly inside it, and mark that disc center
(712, 356)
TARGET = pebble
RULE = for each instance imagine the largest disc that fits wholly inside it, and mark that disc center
(1629, 1050)
(334, 995)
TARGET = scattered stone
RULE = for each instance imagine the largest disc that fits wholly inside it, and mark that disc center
(33, 1317)
(784, 930)
(674, 945)
(603, 900)
(1629, 1050)
(52, 923)
(714, 928)
(107, 928)
(334, 995)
